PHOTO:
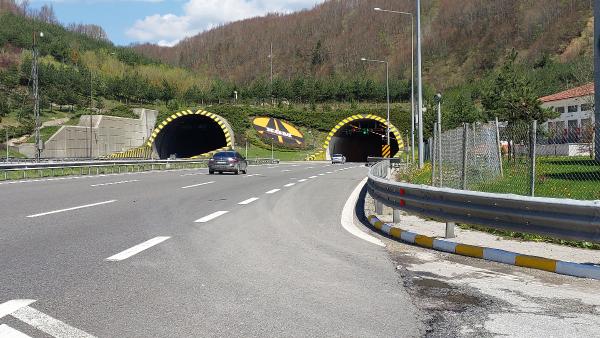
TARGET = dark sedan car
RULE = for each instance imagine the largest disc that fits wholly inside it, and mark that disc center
(227, 161)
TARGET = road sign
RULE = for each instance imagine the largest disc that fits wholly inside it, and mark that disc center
(386, 151)
(20, 309)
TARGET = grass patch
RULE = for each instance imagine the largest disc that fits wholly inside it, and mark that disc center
(45, 133)
(531, 237)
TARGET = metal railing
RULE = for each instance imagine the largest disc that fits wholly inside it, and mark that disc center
(559, 218)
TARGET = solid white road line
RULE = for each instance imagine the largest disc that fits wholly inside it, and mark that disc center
(137, 249)
(348, 216)
(11, 306)
(272, 191)
(289, 185)
(47, 324)
(211, 216)
(69, 209)
(248, 201)
(113, 183)
(197, 185)
(302, 180)
(8, 332)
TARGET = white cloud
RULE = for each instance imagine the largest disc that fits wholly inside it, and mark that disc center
(200, 15)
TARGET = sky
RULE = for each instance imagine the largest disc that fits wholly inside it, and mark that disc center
(164, 22)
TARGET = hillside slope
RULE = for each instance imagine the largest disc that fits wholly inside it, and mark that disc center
(462, 39)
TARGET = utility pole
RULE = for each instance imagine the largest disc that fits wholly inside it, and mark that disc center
(271, 60)
(6, 145)
(420, 86)
(597, 81)
(36, 99)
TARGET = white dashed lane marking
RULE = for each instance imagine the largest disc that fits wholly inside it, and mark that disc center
(211, 216)
(248, 201)
(289, 185)
(302, 180)
(70, 209)
(197, 185)
(137, 249)
(272, 191)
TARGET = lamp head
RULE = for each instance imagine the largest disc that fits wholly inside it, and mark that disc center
(377, 9)
(363, 59)
(438, 97)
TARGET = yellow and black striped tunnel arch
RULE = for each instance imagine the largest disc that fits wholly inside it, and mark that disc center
(356, 148)
(188, 134)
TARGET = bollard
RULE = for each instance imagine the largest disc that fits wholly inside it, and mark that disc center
(450, 229)
(378, 207)
(396, 216)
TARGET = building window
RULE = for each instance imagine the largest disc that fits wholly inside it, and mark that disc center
(587, 107)
(587, 130)
(560, 110)
(573, 131)
(572, 109)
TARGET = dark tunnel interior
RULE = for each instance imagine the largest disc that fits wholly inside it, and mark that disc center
(188, 136)
(360, 139)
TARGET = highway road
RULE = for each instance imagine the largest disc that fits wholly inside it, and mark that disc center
(184, 253)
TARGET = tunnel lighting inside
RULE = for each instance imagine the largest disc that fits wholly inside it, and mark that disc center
(360, 139)
(189, 136)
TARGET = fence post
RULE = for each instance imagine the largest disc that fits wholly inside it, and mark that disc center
(463, 182)
(433, 153)
(450, 229)
(499, 147)
(532, 151)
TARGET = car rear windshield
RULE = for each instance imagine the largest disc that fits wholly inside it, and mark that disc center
(225, 154)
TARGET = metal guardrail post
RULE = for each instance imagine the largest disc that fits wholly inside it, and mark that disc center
(463, 182)
(378, 207)
(450, 229)
(532, 150)
(396, 216)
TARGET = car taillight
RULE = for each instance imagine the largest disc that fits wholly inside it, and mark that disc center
(233, 160)
(211, 160)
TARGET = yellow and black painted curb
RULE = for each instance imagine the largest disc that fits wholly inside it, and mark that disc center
(218, 119)
(347, 120)
(141, 152)
(490, 254)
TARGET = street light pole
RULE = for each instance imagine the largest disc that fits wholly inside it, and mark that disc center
(36, 99)
(420, 87)
(412, 75)
(387, 85)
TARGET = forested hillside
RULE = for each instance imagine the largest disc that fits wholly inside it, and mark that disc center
(462, 39)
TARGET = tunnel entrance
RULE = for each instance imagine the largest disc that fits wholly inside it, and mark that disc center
(360, 139)
(189, 136)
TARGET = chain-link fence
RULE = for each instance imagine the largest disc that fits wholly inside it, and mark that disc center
(553, 159)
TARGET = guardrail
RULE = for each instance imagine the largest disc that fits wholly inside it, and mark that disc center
(395, 162)
(560, 218)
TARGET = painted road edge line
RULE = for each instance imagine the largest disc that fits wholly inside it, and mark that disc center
(113, 183)
(248, 201)
(137, 249)
(197, 185)
(490, 254)
(210, 217)
(347, 218)
(70, 209)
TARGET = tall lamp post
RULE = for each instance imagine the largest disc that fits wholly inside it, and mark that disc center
(412, 75)
(387, 86)
(36, 98)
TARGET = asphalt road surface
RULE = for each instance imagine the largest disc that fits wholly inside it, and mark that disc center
(184, 253)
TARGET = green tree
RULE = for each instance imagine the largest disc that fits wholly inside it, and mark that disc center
(512, 97)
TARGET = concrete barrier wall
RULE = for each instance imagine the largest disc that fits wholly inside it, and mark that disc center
(108, 135)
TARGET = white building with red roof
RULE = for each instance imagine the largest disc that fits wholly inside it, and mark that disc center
(576, 120)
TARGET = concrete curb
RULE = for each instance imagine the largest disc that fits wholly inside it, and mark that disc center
(490, 254)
